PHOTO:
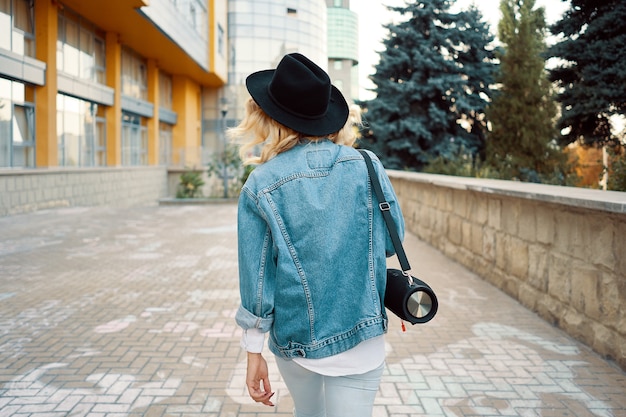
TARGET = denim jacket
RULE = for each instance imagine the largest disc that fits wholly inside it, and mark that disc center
(312, 248)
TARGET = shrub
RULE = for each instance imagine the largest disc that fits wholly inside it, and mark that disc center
(190, 185)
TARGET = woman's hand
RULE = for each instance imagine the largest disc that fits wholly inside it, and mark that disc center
(257, 372)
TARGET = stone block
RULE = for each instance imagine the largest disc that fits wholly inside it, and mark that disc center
(476, 239)
(481, 266)
(465, 258)
(459, 203)
(550, 309)
(538, 267)
(10, 184)
(19, 182)
(450, 249)
(576, 325)
(454, 231)
(619, 250)
(466, 234)
(495, 212)
(478, 208)
(527, 224)
(428, 196)
(399, 188)
(559, 282)
(24, 198)
(602, 340)
(420, 216)
(440, 225)
(518, 258)
(15, 199)
(545, 227)
(502, 243)
(611, 299)
(510, 285)
(489, 244)
(585, 282)
(442, 201)
(598, 239)
(620, 351)
(568, 237)
(496, 277)
(511, 216)
(528, 296)
(428, 218)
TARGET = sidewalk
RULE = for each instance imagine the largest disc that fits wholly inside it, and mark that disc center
(129, 312)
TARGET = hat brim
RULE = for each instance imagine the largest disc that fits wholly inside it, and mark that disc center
(332, 121)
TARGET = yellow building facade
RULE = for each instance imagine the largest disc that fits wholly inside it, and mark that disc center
(108, 83)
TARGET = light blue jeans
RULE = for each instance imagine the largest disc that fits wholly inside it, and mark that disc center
(316, 395)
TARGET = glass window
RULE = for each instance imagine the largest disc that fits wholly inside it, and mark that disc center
(100, 141)
(5, 7)
(134, 140)
(220, 40)
(20, 125)
(17, 124)
(100, 60)
(165, 91)
(23, 136)
(81, 132)
(80, 48)
(87, 55)
(134, 75)
(165, 144)
(70, 49)
(71, 133)
(5, 122)
(24, 16)
(17, 26)
(5, 24)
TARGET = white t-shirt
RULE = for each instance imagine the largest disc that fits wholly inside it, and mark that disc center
(362, 358)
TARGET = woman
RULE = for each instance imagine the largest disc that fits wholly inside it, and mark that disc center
(312, 245)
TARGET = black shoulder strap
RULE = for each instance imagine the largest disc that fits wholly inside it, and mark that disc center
(385, 208)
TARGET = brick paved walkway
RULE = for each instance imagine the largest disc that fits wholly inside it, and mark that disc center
(129, 312)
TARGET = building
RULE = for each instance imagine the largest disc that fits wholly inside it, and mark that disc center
(343, 48)
(98, 98)
(262, 31)
(106, 83)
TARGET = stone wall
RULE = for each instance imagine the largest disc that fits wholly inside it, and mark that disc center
(23, 191)
(560, 251)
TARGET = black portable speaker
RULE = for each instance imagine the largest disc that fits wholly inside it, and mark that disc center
(410, 298)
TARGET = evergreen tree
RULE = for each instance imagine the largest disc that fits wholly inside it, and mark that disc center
(592, 76)
(432, 84)
(521, 142)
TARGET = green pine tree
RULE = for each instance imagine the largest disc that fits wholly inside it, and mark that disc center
(592, 70)
(432, 85)
(521, 144)
(592, 79)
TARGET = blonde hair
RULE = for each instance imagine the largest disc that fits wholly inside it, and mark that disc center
(257, 128)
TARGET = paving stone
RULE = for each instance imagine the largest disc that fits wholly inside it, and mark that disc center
(130, 312)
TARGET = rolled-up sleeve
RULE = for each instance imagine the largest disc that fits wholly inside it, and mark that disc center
(257, 267)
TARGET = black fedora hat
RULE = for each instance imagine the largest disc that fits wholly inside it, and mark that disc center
(299, 95)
